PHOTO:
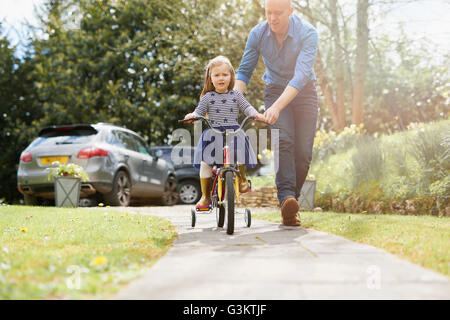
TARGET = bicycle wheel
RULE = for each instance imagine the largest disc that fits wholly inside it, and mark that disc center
(229, 181)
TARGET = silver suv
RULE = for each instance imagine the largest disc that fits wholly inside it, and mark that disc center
(120, 165)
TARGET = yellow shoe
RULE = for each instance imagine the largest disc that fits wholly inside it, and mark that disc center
(205, 200)
(244, 186)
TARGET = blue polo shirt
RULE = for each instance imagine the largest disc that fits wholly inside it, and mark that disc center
(289, 64)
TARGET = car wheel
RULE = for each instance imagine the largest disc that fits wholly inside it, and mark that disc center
(121, 192)
(30, 200)
(190, 191)
(170, 196)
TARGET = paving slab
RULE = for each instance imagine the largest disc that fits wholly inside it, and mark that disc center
(269, 261)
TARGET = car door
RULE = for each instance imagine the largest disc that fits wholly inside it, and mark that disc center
(135, 161)
(153, 169)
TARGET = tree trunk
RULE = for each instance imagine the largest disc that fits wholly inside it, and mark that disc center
(324, 81)
(339, 66)
(327, 90)
(362, 41)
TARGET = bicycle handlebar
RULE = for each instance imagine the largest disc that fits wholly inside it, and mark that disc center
(217, 131)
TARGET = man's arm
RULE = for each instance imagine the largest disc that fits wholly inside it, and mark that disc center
(303, 72)
(248, 62)
(271, 114)
(240, 86)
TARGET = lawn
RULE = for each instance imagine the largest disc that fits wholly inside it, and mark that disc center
(423, 240)
(60, 253)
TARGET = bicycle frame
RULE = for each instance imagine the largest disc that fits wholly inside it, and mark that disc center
(227, 166)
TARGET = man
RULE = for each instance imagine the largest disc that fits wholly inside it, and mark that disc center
(288, 46)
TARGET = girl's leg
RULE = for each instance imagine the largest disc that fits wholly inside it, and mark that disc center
(205, 170)
(244, 186)
(205, 183)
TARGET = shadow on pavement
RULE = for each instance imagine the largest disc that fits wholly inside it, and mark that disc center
(242, 239)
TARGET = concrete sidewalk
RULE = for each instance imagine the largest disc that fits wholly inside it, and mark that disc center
(268, 261)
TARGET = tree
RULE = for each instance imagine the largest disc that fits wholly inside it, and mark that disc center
(362, 42)
(137, 63)
(17, 111)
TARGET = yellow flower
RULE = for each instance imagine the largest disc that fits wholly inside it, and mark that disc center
(23, 229)
(100, 204)
(99, 261)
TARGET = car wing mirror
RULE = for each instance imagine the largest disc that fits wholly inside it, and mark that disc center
(158, 154)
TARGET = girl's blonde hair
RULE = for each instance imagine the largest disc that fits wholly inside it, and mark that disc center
(217, 61)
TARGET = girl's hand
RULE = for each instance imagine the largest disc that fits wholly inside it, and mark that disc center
(260, 117)
(189, 116)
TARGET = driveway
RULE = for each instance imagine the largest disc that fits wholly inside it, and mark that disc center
(269, 261)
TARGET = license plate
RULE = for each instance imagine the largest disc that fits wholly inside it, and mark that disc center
(50, 160)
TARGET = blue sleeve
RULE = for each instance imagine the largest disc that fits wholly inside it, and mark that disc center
(202, 107)
(305, 60)
(249, 58)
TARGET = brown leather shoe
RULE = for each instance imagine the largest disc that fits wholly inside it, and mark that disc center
(289, 209)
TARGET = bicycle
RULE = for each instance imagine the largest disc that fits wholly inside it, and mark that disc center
(223, 200)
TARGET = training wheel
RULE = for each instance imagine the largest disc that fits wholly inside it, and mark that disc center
(193, 218)
(220, 215)
(248, 218)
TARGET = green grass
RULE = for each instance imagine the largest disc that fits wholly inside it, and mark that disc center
(60, 253)
(423, 240)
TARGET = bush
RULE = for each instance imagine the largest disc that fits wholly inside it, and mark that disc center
(368, 162)
(406, 172)
(329, 143)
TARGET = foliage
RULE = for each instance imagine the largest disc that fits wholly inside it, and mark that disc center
(405, 80)
(405, 84)
(67, 170)
(19, 108)
(328, 143)
(140, 64)
(368, 162)
(406, 172)
(136, 63)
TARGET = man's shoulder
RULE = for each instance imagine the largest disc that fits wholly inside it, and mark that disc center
(302, 24)
(259, 29)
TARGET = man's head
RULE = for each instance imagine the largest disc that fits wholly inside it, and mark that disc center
(277, 14)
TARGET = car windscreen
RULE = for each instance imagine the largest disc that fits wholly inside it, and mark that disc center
(68, 130)
(62, 140)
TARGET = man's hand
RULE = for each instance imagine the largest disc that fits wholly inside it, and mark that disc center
(271, 115)
(286, 97)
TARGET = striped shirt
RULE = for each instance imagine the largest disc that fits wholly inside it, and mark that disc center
(223, 108)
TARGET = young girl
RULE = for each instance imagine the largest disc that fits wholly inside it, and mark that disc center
(222, 104)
